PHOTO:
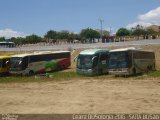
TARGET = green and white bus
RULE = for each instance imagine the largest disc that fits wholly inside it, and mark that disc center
(39, 62)
(131, 61)
(92, 62)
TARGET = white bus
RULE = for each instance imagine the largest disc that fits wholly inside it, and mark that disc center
(7, 44)
(131, 61)
(39, 62)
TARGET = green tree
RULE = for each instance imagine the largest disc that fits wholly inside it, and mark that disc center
(89, 34)
(51, 35)
(139, 32)
(64, 34)
(33, 39)
(18, 40)
(122, 32)
(72, 37)
(2, 39)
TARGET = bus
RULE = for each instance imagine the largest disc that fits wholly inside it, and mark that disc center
(39, 62)
(92, 62)
(4, 64)
(7, 44)
(130, 61)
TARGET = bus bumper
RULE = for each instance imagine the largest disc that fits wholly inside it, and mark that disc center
(16, 72)
(88, 72)
(122, 71)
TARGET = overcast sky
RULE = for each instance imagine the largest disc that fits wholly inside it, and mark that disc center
(25, 17)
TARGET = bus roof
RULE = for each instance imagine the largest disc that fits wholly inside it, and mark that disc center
(4, 56)
(6, 42)
(123, 49)
(92, 51)
(129, 49)
(38, 53)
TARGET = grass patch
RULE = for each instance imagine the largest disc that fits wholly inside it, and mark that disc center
(15, 79)
(60, 75)
(71, 75)
(154, 73)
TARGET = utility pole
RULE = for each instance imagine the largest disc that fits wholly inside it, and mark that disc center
(101, 21)
(110, 39)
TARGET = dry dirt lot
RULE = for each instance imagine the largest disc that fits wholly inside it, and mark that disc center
(82, 96)
(107, 95)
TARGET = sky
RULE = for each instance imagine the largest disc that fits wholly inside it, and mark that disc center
(19, 18)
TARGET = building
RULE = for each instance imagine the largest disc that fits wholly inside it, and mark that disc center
(155, 28)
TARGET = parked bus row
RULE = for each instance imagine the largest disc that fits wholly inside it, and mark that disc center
(126, 61)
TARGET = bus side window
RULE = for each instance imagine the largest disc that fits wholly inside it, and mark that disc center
(95, 62)
(3, 63)
(25, 62)
(103, 56)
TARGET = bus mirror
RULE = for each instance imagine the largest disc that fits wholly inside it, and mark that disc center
(20, 62)
(75, 58)
(7, 62)
(94, 58)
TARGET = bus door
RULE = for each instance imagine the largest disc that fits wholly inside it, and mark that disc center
(24, 63)
(103, 62)
(4, 65)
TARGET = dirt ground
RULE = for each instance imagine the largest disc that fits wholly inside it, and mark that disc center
(107, 95)
(81, 96)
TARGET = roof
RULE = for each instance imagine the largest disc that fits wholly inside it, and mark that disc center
(38, 53)
(6, 42)
(5, 56)
(92, 51)
(130, 48)
(123, 49)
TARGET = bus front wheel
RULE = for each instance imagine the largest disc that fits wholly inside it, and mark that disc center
(31, 73)
(134, 71)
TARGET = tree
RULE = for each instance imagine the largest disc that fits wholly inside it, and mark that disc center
(2, 39)
(122, 32)
(106, 33)
(64, 34)
(18, 40)
(89, 34)
(72, 37)
(139, 31)
(51, 35)
(33, 39)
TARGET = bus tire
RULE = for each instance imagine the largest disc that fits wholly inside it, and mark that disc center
(100, 72)
(31, 73)
(149, 68)
(62, 67)
(134, 71)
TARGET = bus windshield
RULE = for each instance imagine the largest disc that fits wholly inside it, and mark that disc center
(16, 63)
(85, 61)
(118, 60)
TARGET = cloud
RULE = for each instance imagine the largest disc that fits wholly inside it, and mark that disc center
(8, 33)
(150, 18)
